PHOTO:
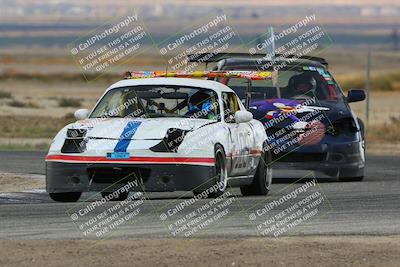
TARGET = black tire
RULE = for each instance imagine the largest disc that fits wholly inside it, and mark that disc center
(65, 197)
(121, 197)
(262, 179)
(220, 173)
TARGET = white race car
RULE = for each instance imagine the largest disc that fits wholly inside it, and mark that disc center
(160, 134)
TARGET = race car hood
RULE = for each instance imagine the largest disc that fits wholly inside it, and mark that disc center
(337, 110)
(135, 128)
(332, 110)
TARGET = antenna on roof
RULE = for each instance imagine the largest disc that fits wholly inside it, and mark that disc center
(270, 43)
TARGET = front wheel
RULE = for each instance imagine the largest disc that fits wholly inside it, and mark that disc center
(262, 179)
(221, 174)
(220, 177)
(65, 197)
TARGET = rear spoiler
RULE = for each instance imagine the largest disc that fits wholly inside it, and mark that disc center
(211, 57)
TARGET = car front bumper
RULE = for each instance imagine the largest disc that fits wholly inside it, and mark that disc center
(85, 177)
(339, 160)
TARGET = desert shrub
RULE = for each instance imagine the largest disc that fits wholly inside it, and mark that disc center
(380, 82)
(20, 104)
(5, 94)
(31, 126)
(69, 102)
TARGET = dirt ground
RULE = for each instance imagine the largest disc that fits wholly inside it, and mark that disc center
(288, 251)
(20, 182)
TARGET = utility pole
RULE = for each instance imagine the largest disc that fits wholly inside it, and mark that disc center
(395, 37)
(368, 86)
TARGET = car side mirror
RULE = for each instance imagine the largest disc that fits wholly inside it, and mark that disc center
(81, 114)
(243, 116)
(355, 95)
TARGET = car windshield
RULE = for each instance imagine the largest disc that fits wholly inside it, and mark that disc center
(158, 101)
(294, 84)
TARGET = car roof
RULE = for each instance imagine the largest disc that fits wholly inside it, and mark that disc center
(257, 63)
(208, 84)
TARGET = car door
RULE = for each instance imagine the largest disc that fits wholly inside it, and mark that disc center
(241, 136)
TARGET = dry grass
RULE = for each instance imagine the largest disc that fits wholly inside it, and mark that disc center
(20, 104)
(25, 147)
(382, 82)
(5, 94)
(385, 132)
(31, 127)
(70, 102)
(13, 74)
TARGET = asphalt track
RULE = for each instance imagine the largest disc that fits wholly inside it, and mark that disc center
(370, 207)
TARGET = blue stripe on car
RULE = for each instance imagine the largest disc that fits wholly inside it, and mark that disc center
(127, 134)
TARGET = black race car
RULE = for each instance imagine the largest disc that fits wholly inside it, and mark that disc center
(308, 120)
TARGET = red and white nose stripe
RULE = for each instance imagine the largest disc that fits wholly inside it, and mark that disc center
(132, 160)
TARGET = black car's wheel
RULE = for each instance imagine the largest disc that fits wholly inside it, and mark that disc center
(65, 197)
(121, 196)
(262, 179)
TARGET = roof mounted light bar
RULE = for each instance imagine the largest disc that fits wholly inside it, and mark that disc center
(251, 75)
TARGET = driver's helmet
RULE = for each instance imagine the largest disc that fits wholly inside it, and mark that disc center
(200, 102)
(302, 83)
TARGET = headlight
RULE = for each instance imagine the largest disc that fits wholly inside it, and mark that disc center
(342, 126)
(74, 142)
(76, 133)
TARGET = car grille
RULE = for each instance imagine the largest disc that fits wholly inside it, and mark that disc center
(117, 174)
(302, 157)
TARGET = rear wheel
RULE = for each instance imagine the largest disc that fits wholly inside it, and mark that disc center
(120, 197)
(262, 179)
(65, 197)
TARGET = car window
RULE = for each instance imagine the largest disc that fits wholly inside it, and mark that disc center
(231, 105)
(158, 101)
(295, 84)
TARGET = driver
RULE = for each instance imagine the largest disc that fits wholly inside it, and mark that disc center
(201, 105)
(300, 86)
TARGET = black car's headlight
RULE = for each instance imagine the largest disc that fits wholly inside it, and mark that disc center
(342, 126)
(171, 141)
(75, 141)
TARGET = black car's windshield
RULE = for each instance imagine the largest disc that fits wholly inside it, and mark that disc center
(294, 84)
(158, 101)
